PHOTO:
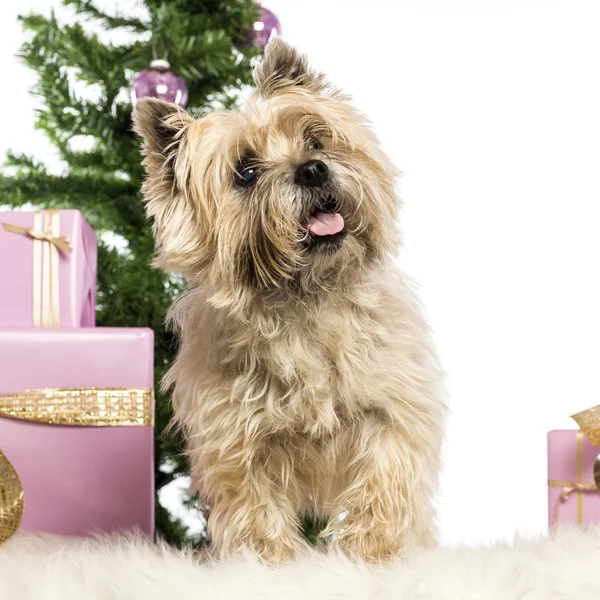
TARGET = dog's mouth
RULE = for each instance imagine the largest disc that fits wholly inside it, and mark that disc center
(326, 226)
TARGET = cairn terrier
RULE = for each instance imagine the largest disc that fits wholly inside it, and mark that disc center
(305, 382)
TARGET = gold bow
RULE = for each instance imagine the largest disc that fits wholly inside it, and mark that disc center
(95, 407)
(46, 244)
(62, 243)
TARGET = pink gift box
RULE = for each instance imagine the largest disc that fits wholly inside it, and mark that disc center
(42, 283)
(78, 480)
(573, 498)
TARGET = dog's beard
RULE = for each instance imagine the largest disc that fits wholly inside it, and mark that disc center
(306, 241)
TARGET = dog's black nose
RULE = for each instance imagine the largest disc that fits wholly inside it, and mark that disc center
(312, 173)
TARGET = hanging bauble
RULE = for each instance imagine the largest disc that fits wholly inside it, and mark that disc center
(159, 82)
(265, 27)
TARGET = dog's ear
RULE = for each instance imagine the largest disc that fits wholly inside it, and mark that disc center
(282, 68)
(161, 126)
(164, 129)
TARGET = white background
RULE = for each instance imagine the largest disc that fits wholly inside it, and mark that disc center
(492, 111)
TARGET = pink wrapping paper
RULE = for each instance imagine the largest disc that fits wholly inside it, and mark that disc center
(79, 480)
(76, 272)
(563, 467)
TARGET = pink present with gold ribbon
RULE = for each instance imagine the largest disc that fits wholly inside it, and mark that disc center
(47, 269)
(574, 472)
(76, 430)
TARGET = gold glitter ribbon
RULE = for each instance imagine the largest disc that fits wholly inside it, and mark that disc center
(47, 242)
(589, 422)
(90, 407)
(568, 487)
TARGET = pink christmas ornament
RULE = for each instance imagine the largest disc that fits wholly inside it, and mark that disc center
(159, 82)
(265, 27)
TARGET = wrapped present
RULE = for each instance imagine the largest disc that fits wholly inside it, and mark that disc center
(574, 473)
(47, 269)
(76, 430)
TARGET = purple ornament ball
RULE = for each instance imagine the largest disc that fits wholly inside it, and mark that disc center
(159, 82)
(265, 27)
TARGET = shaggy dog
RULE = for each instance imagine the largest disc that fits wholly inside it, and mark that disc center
(305, 382)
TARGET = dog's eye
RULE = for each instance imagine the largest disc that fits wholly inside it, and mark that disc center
(314, 144)
(246, 176)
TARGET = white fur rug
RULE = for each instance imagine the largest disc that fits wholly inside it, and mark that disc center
(46, 568)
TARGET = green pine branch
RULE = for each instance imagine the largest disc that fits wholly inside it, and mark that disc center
(88, 9)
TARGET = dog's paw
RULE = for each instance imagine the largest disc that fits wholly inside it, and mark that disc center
(276, 551)
(270, 551)
(366, 538)
(372, 545)
(273, 539)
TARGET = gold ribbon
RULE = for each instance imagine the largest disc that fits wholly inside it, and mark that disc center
(568, 487)
(91, 407)
(62, 243)
(47, 241)
(589, 422)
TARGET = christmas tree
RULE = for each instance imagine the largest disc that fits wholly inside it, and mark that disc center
(84, 73)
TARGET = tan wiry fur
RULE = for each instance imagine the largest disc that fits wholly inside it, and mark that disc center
(305, 382)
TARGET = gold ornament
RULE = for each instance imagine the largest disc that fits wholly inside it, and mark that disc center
(11, 499)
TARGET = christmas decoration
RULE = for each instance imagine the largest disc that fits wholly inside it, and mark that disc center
(11, 499)
(265, 27)
(159, 82)
(51, 278)
(573, 498)
(573, 472)
(82, 399)
(103, 179)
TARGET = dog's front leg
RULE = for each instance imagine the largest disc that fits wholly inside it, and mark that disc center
(386, 498)
(250, 508)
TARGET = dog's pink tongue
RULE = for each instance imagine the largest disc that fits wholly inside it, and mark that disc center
(325, 224)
